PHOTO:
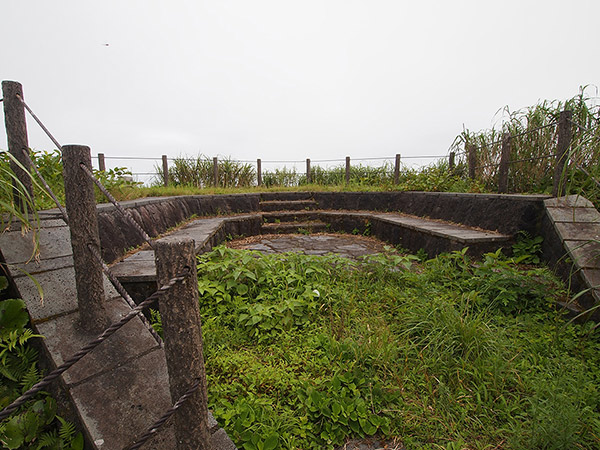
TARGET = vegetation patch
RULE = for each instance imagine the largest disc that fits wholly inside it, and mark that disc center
(36, 424)
(446, 353)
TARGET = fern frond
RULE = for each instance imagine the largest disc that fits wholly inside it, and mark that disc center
(31, 377)
(67, 429)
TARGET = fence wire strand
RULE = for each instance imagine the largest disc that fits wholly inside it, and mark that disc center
(121, 290)
(7, 411)
(121, 210)
(160, 422)
(47, 187)
(39, 122)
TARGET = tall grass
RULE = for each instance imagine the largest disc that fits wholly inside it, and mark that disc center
(533, 152)
(199, 172)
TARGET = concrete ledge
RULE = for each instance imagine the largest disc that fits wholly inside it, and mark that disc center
(571, 227)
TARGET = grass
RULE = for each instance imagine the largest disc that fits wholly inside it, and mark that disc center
(448, 353)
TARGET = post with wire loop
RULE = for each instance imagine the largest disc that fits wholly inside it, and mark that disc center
(347, 170)
(258, 172)
(397, 169)
(471, 160)
(183, 341)
(562, 153)
(451, 161)
(83, 225)
(101, 162)
(165, 168)
(504, 163)
(308, 174)
(16, 134)
(215, 171)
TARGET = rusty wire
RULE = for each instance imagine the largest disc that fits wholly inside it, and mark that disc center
(39, 122)
(7, 411)
(160, 422)
(121, 290)
(523, 133)
(49, 191)
(121, 210)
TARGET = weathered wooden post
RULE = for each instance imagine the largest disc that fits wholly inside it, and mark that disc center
(83, 225)
(308, 175)
(165, 164)
(215, 171)
(397, 169)
(471, 160)
(451, 161)
(182, 330)
(258, 172)
(504, 163)
(562, 153)
(101, 162)
(347, 170)
(16, 134)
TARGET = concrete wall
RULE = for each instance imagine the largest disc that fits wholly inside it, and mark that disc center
(504, 213)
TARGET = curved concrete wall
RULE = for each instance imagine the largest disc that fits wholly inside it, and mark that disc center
(504, 213)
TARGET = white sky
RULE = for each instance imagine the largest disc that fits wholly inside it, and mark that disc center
(288, 80)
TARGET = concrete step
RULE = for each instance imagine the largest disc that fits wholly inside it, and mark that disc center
(295, 216)
(287, 205)
(416, 233)
(294, 227)
(285, 196)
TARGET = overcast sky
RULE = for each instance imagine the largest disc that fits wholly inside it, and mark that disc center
(288, 80)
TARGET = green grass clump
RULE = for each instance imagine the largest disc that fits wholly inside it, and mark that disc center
(304, 352)
(533, 148)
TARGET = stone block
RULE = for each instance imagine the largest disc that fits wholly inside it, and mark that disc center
(53, 243)
(569, 201)
(579, 215)
(59, 293)
(119, 405)
(63, 338)
(578, 231)
(585, 254)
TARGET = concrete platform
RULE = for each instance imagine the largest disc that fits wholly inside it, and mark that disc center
(121, 388)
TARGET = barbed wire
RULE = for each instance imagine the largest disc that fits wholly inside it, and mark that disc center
(39, 122)
(7, 411)
(125, 213)
(160, 422)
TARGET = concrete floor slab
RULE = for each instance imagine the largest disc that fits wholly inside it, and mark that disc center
(64, 338)
(53, 243)
(104, 401)
(59, 293)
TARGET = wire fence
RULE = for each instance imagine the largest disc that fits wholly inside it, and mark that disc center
(135, 311)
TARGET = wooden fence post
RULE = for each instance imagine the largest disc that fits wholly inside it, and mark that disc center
(562, 153)
(182, 330)
(308, 177)
(451, 162)
(215, 171)
(471, 160)
(259, 172)
(16, 134)
(397, 169)
(83, 225)
(165, 164)
(101, 162)
(347, 170)
(504, 163)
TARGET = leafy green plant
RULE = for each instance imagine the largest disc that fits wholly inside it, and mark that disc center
(527, 249)
(439, 353)
(36, 424)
